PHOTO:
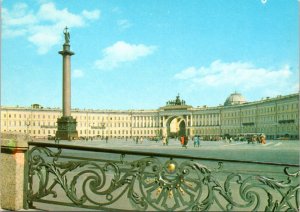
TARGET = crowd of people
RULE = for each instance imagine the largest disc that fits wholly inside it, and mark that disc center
(184, 140)
(257, 138)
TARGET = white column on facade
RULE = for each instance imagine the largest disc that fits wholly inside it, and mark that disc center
(187, 124)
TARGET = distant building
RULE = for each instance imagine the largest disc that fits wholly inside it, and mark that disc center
(276, 117)
(235, 99)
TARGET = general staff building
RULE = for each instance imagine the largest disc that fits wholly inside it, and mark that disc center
(276, 117)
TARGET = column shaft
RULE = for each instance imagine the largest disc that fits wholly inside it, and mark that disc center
(66, 85)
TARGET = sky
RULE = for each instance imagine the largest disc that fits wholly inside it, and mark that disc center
(133, 54)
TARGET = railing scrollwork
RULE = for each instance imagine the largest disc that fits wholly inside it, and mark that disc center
(153, 183)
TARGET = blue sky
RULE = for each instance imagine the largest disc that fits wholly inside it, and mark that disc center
(134, 54)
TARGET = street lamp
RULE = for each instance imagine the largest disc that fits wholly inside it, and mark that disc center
(27, 123)
(102, 127)
(87, 131)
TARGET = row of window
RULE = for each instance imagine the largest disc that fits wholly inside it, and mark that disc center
(265, 119)
(116, 132)
(205, 123)
(204, 131)
(214, 115)
(148, 118)
(292, 128)
(26, 123)
(269, 109)
(30, 116)
(91, 132)
(90, 116)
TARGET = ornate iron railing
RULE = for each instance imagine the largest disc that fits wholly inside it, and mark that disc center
(104, 179)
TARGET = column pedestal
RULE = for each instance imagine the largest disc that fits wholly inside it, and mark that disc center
(66, 128)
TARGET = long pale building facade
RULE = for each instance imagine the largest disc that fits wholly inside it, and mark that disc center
(276, 117)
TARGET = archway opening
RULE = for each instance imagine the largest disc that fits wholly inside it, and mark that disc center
(175, 127)
(182, 129)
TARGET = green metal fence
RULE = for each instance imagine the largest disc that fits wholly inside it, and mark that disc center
(109, 179)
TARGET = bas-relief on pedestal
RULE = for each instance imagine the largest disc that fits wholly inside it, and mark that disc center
(66, 128)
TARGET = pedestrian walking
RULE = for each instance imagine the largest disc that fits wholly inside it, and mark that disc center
(197, 141)
(263, 139)
(182, 140)
(164, 141)
(186, 140)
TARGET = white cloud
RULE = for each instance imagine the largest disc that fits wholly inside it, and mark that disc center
(14, 33)
(48, 12)
(43, 28)
(121, 52)
(18, 16)
(264, 1)
(240, 75)
(186, 73)
(92, 15)
(124, 24)
(44, 37)
(77, 73)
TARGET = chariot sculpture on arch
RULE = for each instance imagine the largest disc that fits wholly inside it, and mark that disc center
(67, 36)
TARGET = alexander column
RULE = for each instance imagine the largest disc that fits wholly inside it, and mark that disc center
(66, 125)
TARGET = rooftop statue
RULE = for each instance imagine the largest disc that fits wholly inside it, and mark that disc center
(177, 101)
(67, 36)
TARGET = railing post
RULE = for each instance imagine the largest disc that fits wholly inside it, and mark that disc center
(14, 147)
